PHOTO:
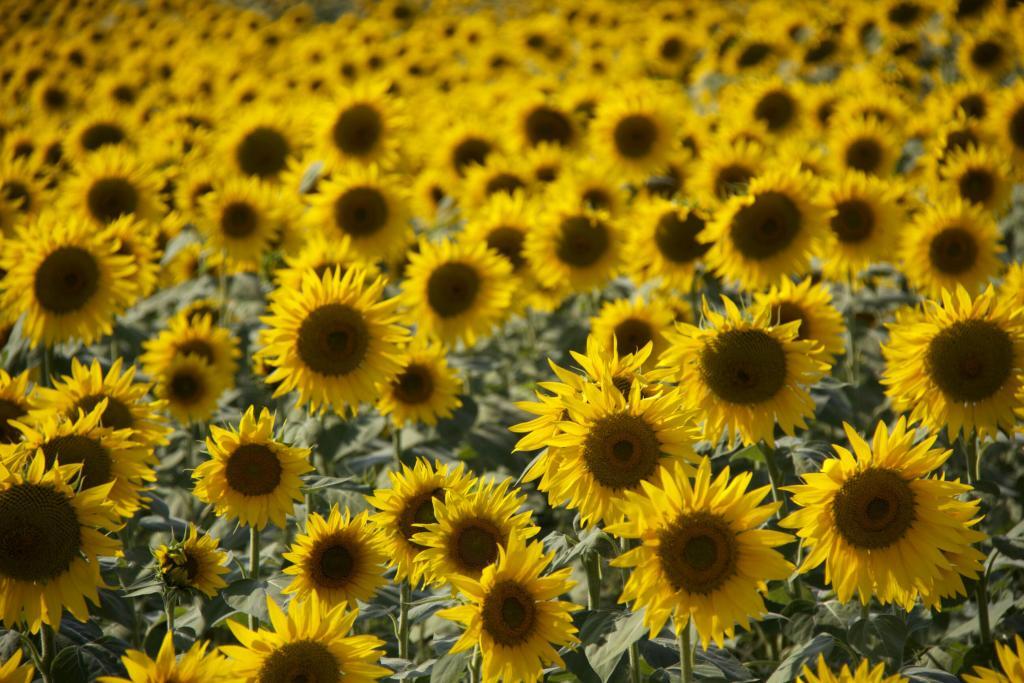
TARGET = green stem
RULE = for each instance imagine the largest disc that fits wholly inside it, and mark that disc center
(634, 648)
(33, 653)
(981, 594)
(592, 565)
(851, 329)
(865, 610)
(396, 440)
(254, 568)
(169, 613)
(686, 653)
(222, 289)
(972, 455)
(47, 379)
(46, 653)
(474, 667)
(774, 477)
(405, 595)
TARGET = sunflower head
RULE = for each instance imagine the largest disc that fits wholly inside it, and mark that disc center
(194, 563)
(424, 390)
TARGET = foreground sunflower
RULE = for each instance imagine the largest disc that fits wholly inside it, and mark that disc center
(469, 530)
(424, 390)
(408, 504)
(864, 673)
(514, 615)
(51, 536)
(811, 305)
(196, 665)
(881, 526)
(337, 560)
(1011, 662)
(950, 244)
(457, 291)
(744, 375)
(958, 364)
(769, 232)
(88, 385)
(307, 644)
(610, 442)
(108, 456)
(67, 280)
(702, 554)
(194, 563)
(251, 476)
(334, 339)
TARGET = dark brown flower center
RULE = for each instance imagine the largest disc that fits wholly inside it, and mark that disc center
(698, 552)
(776, 110)
(853, 222)
(262, 152)
(633, 334)
(116, 415)
(744, 366)
(414, 385)
(987, 54)
(334, 561)
(766, 227)
(582, 241)
(40, 534)
(976, 185)
(621, 450)
(452, 289)
(864, 154)
(361, 211)
(507, 183)
(677, 239)
(66, 280)
(635, 136)
(358, 130)
(470, 151)
(10, 410)
(1016, 128)
(970, 360)
(333, 340)
(101, 134)
(186, 386)
(508, 241)
(509, 613)
(546, 124)
(301, 661)
(253, 469)
(787, 312)
(238, 220)
(75, 448)
(953, 251)
(732, 180)
(474, 545)
(874, 509)
(110, 198)
(418, 510)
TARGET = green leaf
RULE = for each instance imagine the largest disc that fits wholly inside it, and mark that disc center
(70, 666)
(797, 657)
(450, 668)
(604, 657)
(249, 596)
(753, 453)
(1013, 548)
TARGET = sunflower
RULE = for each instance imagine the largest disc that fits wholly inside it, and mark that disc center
(744, 375)
(610, 441)
(138, 240)
(52, 535)
(260, 143)
(865, 144)
(308, 643)
(811, 304)
(424, 390)
(987, 52)
(538, 120)
(665, 243)
(239, 219)
(470, 529)
(22, 188)
(513, 613)
(457, 291)
(107, 455)
(702, 553)
(502, 223)
(337, 560)
(194, 563)
(14, 406)
(364, 124)
(579, 247)
(195, 665)
(198, 337)
(864, 673)
(636, 129)
(773, 103)
(591, 185)
(633, 324)
(499, 175)
(409, 503)
(367, 206)
(111, 184)
(1011, 662)
(950, 244)
(865, 217)
(334, 339)
(463, 145)
(250, 475)
(319, 254)
(68, 281)
(1007, 121)
(979, 175)
(769, 232)
(881, 525)
(13, 671)
(957, 365)
(190, 387)
(432, 190)
(101, 129)
(88, 385)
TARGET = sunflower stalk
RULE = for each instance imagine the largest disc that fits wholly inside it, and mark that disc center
(46, 653)
(634, 648)
(47, 363)
(972, 454)
(774, 476)
(474, 667)
(169, 611)
(686, 653)
(33, 652)
(851, 330)
(254, 568)
(405, 596)
(592, 565)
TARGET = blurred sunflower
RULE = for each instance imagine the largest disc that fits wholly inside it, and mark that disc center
(636, 129)
(513, 613)
(809, 303)
(424, 390)
(502, 223)
(768, 233)
(190, 387)
(199, 337)
(68, 281)
(633, 323)
(865, 220)
(111, 184)
(259, 143)
(103, 128)
(239, 219)
(1011, 662)
(948, 245)
(958, 364)
(363, 124)
(979, 175)
(665, 243)
(702, 554)
(367, 206)
(337, 560)
(611, 441)
(881, 525)
(581, 247)
(866, 145)
(334, 339)
(456, 291)
(14, 406)
(195, 665)
(407, 505)
(52, 536)
(138, 240)
(250, 475)
(308, 643)
(744, 375)
(470, 529)
(1007, 120)
(194, 563)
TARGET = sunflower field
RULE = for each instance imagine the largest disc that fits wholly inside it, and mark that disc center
(463, 340)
